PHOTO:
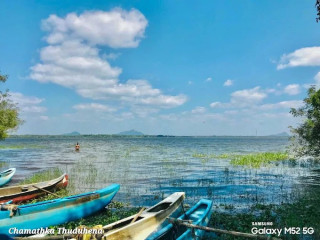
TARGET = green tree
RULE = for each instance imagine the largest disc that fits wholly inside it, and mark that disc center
(9, 115)
(306, 136)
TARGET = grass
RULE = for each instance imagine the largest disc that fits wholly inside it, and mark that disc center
(254, 160)
(302, 213)
(42, 176)
(257, 160)
(114, 212)
(12, 147)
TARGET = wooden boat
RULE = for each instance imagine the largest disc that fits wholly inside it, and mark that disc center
(54, 212)
(139, 226)
(6, 176)
(199, 214)
(21, 193)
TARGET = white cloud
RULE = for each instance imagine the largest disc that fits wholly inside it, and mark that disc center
(283, 104)
(44, 118)
(198, 110)
(309, 56)
(117, 28)
(317, 80)
(247, 97)
(209, 79)
(27, 104)
(292, 89)
(72, 58)
(228, 83)
(94, 107)
(216, 104)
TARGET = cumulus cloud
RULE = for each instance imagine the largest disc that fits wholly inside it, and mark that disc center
(117, 28)
(94, 107)
(228, 83)
(283, 104)
(247, 97)
(198, 110)
(209, 79)
(27, 104)
(72, 58)
(292, 89)
(244, 98)
(309, 56)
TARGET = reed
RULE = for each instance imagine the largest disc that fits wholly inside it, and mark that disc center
(257, 160)
(42, 176)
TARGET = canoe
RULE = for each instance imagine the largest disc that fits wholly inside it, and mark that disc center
(199, 214)
(6, 176)
(21, 193)
(54, 212)
(145, 223)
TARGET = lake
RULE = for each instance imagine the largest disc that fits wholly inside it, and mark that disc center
(149, 168)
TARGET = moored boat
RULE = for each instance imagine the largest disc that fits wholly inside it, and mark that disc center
(199, 214)
(21, 193)
(54, 212)
(139, 226)
(6, 176)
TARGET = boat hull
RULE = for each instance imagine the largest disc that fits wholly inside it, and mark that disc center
(17, 195)
(58, 211)
(199, 214)
(6, 176)
(146, 223)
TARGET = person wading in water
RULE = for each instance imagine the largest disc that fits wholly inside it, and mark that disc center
(77, 147)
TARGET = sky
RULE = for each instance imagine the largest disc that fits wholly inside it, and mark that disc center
(167, 67)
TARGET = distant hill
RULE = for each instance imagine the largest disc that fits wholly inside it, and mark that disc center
(131, 133)
(282, 134)
(72, 134)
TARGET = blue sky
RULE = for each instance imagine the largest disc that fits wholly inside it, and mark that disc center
(160, 67)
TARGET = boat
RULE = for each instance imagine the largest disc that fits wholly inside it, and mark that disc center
(141, 225)
(22, 193)
(6, 176)
(53, 212)
(199, 214)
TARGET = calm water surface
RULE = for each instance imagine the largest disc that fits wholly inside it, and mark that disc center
(149, 168)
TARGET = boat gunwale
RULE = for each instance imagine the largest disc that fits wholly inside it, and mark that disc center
(54, 182)
(144, 216)
(156, 235)
(7, 172)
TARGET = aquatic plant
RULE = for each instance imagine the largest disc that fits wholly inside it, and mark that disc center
(257, 160)
(42, 176)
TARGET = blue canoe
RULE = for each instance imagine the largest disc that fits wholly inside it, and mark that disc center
(6, 176)
(57, 211)
(199, 214)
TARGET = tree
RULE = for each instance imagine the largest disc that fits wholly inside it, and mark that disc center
(9, 115)
(306, 139)
(318, 10)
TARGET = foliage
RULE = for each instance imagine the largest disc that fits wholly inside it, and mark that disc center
(9, 116)
(306, 139)
(318, 10)
(42, 176)
(303, 212)
(254, 160)
(258, 159)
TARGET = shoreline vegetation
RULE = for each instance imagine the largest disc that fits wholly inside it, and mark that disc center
(300, 211)
(254, 160)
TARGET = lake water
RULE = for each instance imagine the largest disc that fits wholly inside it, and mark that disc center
(149, 168)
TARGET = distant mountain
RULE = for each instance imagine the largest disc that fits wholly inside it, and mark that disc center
(131, 133)
(72, 134)
(282, 134)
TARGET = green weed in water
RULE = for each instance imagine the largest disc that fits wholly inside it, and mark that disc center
(257, 160)
(43, 176)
